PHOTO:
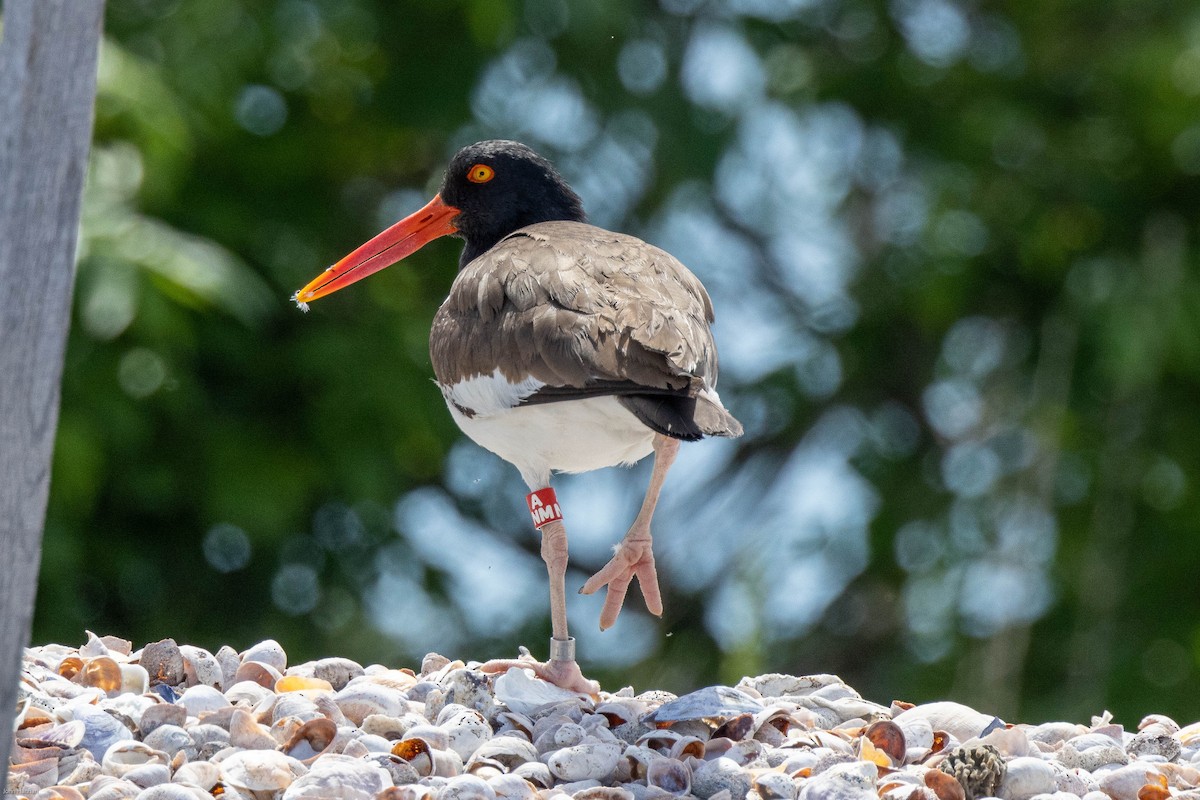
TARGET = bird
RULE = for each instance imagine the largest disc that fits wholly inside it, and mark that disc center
(562, 348)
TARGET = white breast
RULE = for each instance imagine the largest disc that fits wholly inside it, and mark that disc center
(567, 436)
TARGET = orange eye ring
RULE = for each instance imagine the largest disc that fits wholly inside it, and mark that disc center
(480, 173)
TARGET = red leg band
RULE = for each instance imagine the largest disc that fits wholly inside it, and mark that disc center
(543, 507)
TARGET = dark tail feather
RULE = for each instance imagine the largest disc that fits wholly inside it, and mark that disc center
(685, 418)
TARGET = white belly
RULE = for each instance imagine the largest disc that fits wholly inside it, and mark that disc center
(570, 436)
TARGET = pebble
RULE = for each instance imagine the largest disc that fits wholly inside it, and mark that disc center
(104, 721)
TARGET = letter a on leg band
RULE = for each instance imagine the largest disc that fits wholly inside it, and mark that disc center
(543, 507)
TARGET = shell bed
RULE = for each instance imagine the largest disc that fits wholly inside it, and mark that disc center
(176, 722)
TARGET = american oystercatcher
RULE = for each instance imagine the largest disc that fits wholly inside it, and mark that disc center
(562, 347)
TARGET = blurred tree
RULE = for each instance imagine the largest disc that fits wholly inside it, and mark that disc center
(952, 248)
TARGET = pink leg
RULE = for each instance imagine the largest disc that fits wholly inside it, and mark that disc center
(562, 669)
(634, 556)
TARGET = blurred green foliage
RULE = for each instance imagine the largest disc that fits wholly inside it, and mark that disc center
(1012, 340)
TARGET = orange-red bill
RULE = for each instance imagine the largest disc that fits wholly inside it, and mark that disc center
(402, 239)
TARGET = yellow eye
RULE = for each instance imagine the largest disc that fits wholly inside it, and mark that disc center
(480, 173)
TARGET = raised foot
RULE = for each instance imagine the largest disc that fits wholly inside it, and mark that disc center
(633, 558)
(563, 673)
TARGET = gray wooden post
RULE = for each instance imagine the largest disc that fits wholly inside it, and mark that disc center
(48, 51)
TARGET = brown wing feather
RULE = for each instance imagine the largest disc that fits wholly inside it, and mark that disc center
(573, 305)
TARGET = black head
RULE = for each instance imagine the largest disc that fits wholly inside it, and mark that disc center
(500, 186)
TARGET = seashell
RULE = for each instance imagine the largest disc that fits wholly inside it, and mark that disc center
(107, 787)
(201, 667)
(163, 662)
(39, 773)
(466, 729)
(673, 777)
(428, 760)
(336, 671)
(295, 705)
(466, 787)
(229, 660)
(603, 793)
(720, 775)
(172, 791)
(247, 693)
(201, 774)
(263, 674)
(1091, 751)
(1024, 777)
(775, 786)
(586, 761)
(400, 771)
(713, 702)
(536, 773)
(148, 775)
(336, 777)
(432, 735)
(560, 732)
(961, 722)
(522, 692)
(509, 751)
(296, 683)
(125, 756)
(246, 734)
(68, 734)
(1152, 791)
(943, 785)
(385, 726)
(269, 652)
(101, 673)
(171, 739)
(1054, 732)
(311, 739)
(70, 667)
(101, 730)
(1154, 741)
(260, 770)
(86, 769)
(888, 737)
(741, 753)
(200, 699)
(1125, 782)
(134, 679)
(59, 793)
(512, 787)
(358, 700)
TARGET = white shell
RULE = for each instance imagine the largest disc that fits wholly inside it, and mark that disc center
(1025, 777)
(587, 761)
(267, 652)
(260, 770)
(337, 777)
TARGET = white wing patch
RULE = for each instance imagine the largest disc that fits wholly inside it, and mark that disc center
(489, 394)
